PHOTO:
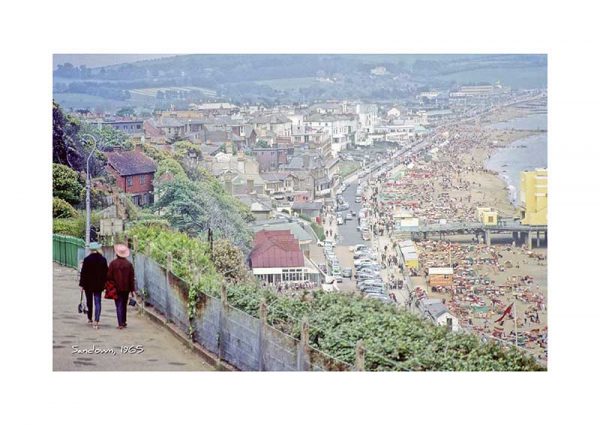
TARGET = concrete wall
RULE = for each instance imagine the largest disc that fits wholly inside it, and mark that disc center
(244, 341)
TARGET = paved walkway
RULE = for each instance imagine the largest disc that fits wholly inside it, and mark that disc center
(161, 350)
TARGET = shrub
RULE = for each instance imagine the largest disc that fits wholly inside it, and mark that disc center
(62, 209)
(66, 184)
(395, 339)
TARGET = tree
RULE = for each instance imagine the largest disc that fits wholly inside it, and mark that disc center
(66, 184)
(194, 207)
(66, 147)
(229, 261)
(126, 111)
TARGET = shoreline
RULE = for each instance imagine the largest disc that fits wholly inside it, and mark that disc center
(449, 182)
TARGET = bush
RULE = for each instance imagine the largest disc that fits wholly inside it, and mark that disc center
(62, 209)
(74, 226)
(395, 339)
(66, 184)
(318, 229)
(229, 260)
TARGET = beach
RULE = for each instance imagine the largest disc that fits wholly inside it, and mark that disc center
(447, 184)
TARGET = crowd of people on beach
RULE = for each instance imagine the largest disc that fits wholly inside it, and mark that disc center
(442, 190)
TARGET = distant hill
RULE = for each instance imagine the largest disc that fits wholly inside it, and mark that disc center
(159, 80)
(99, 60)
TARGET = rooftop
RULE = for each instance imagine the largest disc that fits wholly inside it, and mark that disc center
(129, 163)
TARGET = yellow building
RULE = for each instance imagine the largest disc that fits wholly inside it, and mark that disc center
(534, 197)
(487, 216)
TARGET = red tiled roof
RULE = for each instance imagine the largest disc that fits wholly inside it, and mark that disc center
(131, 163)
(276, 248)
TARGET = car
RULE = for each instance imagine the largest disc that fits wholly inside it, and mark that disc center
(329, 242)
(358, 199)
(353, 213)
(364, 255)
(359, 247)
(364, 280)
(363, 262)
(374, 267)
(338, 277)
(340, 220)
(347, 272)
(372, 287)
(366, 236)
(349, 216)
(365, 270)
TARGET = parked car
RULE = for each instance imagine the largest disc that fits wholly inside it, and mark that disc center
(349, 216)
(340, 220)
(347, 272)
(363, 262)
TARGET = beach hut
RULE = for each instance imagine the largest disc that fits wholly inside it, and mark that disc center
(441, 276)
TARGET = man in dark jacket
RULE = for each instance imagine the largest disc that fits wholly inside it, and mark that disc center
(92, 280)
(121, 273)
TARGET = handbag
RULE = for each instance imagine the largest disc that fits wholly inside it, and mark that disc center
(81, 308)
(111, 290)
(132, 302)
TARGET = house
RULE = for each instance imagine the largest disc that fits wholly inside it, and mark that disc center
(277, 123)
(436, 311)
(223, 108)
(238, 183)
(134, 172)
(276, 182)
(269, 159)
(298, 229)
(173, 128)
(260, 206)
(126, 126)
(276, 258)
(310, 209)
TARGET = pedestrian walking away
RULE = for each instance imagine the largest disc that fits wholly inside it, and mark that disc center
(92, 280)
(121, 274)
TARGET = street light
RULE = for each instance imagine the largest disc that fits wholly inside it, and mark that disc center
(87, 194)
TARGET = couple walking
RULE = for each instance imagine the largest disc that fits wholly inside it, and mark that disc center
(117, 279)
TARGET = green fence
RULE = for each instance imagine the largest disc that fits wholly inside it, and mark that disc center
(67, 250)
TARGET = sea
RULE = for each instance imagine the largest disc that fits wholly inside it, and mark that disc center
(523, 154)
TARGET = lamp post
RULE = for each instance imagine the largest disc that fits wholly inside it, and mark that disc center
(87, 193)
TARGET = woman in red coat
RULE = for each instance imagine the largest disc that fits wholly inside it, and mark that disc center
(121, 274)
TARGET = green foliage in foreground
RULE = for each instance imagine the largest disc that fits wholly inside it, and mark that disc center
(62, 209)
(74, 226)
(66, 184)
(395, 340)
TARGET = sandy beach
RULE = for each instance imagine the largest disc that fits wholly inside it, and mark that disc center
(448, 184)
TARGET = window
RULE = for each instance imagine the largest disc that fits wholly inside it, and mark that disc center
(129, 181)
(145, 199)
(142, 179)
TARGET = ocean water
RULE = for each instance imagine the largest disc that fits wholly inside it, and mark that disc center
(523, 154)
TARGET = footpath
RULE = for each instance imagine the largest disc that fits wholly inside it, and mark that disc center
(143, 346)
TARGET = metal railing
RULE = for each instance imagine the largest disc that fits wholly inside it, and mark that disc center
(68, 251)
